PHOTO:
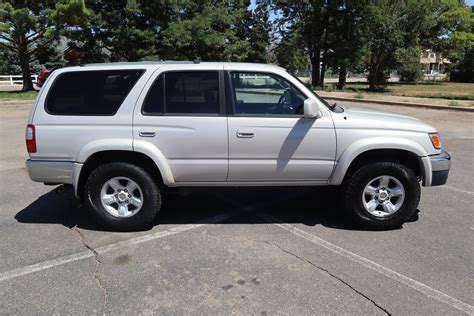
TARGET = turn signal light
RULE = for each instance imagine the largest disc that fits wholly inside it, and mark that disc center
(30, 137)
(435, 140)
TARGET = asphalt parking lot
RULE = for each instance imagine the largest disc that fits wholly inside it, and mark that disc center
(245, 250)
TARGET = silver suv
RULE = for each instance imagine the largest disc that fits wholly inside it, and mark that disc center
(121, 132)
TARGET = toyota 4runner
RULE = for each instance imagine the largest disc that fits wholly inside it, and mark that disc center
(121, 132)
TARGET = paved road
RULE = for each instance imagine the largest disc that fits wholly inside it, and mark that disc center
(248, 251)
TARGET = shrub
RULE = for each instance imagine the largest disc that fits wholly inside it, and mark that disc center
(411, 72)
(329, 88)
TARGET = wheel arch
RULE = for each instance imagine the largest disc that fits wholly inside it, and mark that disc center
(362, 152)
(108, 156)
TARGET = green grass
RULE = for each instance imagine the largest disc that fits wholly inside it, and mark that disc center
(453, 103)
(440, 90)
(17, 95)
(359, 95)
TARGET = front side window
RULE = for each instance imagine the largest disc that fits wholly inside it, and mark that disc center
(189, 92)
(90, 92)
(265, 94)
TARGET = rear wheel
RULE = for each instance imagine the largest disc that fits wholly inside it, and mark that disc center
(122, 196)
(382, 195)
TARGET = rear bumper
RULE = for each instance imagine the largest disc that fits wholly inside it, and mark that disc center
(440, 165)
(51, 172)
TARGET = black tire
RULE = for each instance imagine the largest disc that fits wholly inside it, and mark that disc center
(354, 185)
(144, 218)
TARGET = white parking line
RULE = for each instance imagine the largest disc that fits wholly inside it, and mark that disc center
(457, 189)
(104, 249)
(423, 288)
(44, 265)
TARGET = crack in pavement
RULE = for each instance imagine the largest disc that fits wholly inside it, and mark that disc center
(98, 263)
(309, 262)
(330, 274)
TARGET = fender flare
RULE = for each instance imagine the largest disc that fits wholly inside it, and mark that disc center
(103, 145)
(157, 156)
(373, 143)
(123, 145)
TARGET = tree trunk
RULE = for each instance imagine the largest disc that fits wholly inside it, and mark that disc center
(315, 71)
(25, 69)
(342, 77)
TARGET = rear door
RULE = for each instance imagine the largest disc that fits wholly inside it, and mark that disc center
(269, 139)
(181, 112)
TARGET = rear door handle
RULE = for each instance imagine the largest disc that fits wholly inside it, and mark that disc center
(145, 133)
(245, 134)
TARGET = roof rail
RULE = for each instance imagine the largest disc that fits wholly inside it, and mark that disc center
(140, 62)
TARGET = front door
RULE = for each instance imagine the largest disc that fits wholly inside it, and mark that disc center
(269, 139)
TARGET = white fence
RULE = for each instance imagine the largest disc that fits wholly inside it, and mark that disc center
(11, 80)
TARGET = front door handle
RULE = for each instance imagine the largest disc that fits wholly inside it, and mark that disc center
(245, 134)
(145, 133)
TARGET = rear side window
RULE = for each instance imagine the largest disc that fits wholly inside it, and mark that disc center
(192, 92)
(90, 92)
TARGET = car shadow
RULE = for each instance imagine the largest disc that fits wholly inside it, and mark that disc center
(306, 205)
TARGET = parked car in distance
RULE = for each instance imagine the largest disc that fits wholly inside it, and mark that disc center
(121, 132)
(44, 74)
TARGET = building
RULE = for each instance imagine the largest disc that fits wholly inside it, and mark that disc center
(433, 63)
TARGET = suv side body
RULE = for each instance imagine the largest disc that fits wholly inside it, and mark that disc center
(221, 124)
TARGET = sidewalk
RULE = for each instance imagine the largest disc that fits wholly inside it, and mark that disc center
(398, 100)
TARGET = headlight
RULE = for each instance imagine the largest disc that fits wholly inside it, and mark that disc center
(435, 140)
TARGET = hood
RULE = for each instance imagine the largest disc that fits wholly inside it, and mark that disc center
(375, 119)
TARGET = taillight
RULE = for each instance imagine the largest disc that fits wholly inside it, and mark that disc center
(30, 137)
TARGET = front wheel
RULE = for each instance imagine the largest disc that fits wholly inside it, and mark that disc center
(382, 195)
(122, 196)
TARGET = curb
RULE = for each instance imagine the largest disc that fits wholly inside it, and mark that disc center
(422, 105)
(17, 102)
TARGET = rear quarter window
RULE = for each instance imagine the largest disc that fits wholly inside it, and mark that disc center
(98, 92)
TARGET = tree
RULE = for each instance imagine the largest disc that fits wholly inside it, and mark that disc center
(6, 62)
(393, 28)
(289, 54)
(449, 29)
(207, 30)
(29, 26)
(384, 37)
(348, 39)
(409, 64)
(257, 32)
(313, 20)
(121, 30)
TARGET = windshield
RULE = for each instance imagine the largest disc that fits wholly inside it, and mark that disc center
(313, 93)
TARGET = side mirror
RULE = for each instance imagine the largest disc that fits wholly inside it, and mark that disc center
(311, 109)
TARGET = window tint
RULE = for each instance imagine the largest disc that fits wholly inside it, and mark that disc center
(190, 92)
(90, 92)
(261, 93)
(154, 101)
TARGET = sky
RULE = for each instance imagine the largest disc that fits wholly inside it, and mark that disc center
(273, 15)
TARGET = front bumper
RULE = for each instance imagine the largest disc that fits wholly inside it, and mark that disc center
(51, 172)
(440, 165)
